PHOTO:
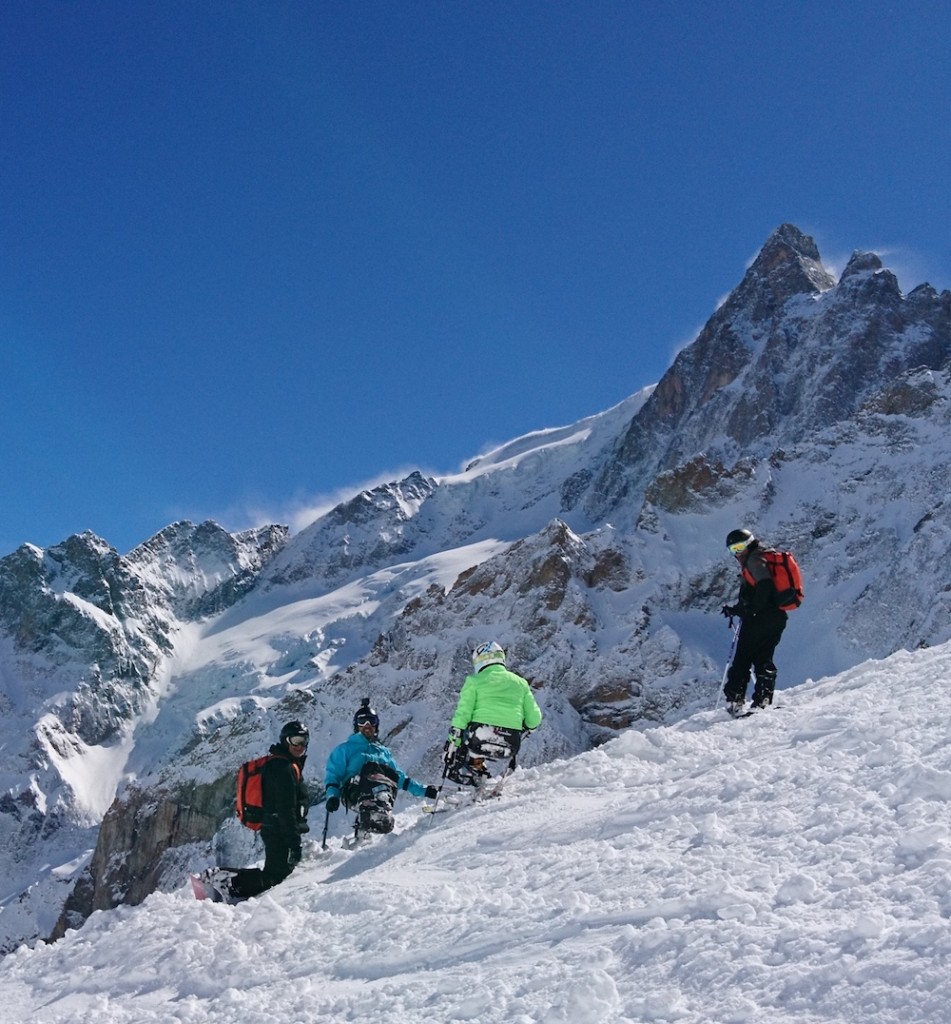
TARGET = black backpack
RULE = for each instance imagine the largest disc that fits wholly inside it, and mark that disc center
(372, 795)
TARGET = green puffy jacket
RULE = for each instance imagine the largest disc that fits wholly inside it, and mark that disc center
(496, 696)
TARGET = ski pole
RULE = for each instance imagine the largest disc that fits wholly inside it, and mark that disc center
(323, 841)
(729, 660)
(445, 772)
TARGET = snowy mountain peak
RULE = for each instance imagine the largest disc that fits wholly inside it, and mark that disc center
(788, 265)
(364, 530)
(790, 353)
(816, 412)
(202, 569)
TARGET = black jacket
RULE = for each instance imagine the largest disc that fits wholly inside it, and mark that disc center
(284, 794)
(757, 594)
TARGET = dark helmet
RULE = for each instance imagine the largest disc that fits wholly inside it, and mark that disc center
(297, 731)
(365, 714)
(739, 541)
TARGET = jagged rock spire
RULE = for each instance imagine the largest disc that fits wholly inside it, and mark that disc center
(787, 355)
(788, 265)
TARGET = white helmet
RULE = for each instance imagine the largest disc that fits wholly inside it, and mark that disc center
(487, 654)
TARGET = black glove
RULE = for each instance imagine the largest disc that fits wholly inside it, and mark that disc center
(294, 854)
(728, 611)
(333, 802)
(303, 827)
(431, 793)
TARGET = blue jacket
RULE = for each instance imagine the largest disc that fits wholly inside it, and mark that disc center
(347, 760)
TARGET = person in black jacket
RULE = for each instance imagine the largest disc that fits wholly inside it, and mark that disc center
(285, 801)
(762, 625)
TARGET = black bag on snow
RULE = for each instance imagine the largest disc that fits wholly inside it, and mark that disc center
(493, 742)
(483, 743)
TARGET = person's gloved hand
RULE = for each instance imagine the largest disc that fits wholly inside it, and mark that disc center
(431, 793)
(454, 752)
(728, 611)
(333, 802)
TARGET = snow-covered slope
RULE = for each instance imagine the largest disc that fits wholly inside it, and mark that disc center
(789, 867)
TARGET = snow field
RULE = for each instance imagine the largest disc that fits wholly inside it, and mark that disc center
(790, 867)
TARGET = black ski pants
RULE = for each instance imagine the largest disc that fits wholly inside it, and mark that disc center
(757, 641)
(280, 856)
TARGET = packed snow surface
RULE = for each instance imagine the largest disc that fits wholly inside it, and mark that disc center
(789, 867)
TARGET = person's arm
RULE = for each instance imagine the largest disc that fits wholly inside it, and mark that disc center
(466, 704)
(335, 774)
(531, 712)
(412, 786)
(283, 797)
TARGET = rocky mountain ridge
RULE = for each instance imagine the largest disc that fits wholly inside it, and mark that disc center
(816, 410)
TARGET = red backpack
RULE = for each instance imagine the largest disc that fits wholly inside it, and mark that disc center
(249, 804)
(787, 578)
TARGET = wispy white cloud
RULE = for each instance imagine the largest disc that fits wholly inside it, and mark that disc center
(912, 268)
(909, 265)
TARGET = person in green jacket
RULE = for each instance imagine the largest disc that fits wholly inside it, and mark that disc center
(496, 708)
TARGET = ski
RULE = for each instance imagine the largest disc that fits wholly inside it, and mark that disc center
(750, 712)
(204, 890)
(359, 839)
(469, 797)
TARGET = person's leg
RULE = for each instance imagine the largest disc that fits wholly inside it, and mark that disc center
(738, 675)
(276, 864)
(765, 684)
(247, 882)
(768, 639)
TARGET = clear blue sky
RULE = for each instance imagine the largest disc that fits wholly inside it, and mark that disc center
(253, 254)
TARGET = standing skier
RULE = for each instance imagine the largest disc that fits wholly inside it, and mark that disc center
(285, 801)
(762, 622)
(495, 708)
(362, 772)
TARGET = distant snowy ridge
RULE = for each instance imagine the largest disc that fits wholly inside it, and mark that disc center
(597, 430)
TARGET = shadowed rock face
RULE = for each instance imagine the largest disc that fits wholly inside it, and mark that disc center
(138, 840)
(789, 354)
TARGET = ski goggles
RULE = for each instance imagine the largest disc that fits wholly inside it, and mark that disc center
(297, 741)
(739, 547)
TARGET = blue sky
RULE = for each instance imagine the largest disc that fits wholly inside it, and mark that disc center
(254, 255)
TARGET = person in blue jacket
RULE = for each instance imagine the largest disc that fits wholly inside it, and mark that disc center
(361, 771)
